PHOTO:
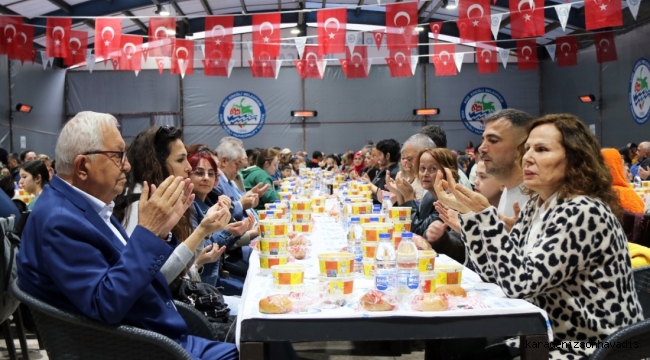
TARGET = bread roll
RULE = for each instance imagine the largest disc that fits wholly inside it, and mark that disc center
(433, 302)
(298, 240)
(298, 252)
(451, 290)
(275, 304)
(375, 301)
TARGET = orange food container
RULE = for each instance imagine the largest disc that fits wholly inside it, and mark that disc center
(371, 231)
(336, 264)
(402, 226)
(303, 228)
(426, 260)
(428, 282)
(301, 204)
(268, 261)
(398, 214)
(369, 249)
(274, 228)
(288, 276)
(301, 217)
(271, 214)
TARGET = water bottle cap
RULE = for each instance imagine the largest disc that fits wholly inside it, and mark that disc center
(387, 197)
(384, 236)
(276, 201)
(348, 200)
(376, 207)
(407, 235)
(355, 219)
(269, 212)
(272, 206)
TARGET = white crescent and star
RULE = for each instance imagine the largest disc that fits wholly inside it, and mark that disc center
(10, 26)
(435, 28)
(445, 52)
(562, 48)
(215, 58)
(531, 3)
(398, 54)
(159, 29)
(266, 23)
(22, 34)
(332, 20)
(315, 58)
(600, 44)
(218, 28)
(356, 54)
(399, 15)
(475, 6)
(110, 30)
(182, 48)
(74, 40)
(523, 51)
(129, 45)
(489, 54)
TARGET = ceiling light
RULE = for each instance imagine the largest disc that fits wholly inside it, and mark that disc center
(295, 31)
(162, 11)
(419, 29)
(451, 7)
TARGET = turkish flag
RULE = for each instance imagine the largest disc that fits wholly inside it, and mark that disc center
(263, 68)
(215, 67)
(487, 58)
(435, 29)
(566, 51)
(355, 65)
(161, 36)
(131, 53)
(401, 21)
(266, 36)
(443, 59)
(378, 35)
(605, 47)
(527, 54)
(307, 67)
(219, 55)
(57, 36)
(77, 46)
(11, 26)
(23, 44)
(331, 30)
(218, 40)
(399, 62)
(527, 18)
(182, 57)
(107, 37)
(603, 13)
(474, 20)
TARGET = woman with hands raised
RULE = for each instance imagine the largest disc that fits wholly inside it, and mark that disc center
(567, 251)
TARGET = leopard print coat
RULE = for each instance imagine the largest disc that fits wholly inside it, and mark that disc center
(578, 269)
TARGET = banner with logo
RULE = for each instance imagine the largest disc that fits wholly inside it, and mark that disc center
(478, 104)
(639, 92)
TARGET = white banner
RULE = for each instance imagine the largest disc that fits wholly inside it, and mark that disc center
(563, 14)
(90, 60)
(551, 51)
(278, 65)
(231, 64)
(321, 64)
(44, 59)
(351, 40)
(495, 22)
(300, 45)
(634, 7)
(458, 58)
(369, 64)
(414, 63)
(503, 54)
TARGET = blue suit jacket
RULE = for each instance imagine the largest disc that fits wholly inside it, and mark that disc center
(71, 259)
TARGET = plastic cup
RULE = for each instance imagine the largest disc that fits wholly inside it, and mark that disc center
(268, 261)
(318, 201)
(336, 264)
(285, 195)
(371, 218)
(342, 286)
(301, 217)
(426, 260)
(449, 274)
(301, 204)
(368, 267)
(369, 249)
(402, 226)
(270, 214)
(288, 276)
(303, 228)
(273, 246)
(397, 214)
(371, 230)
(428, 281)
(318, 209)
(274, 228)
(361, 208)
(278, 207)
(397, 238)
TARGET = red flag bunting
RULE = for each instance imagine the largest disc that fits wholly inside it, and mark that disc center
(262, 68)
(487, 58)
(435, 29)
(355, 65)
(474, 20)
(12, 26)
(161, 64)
(266, 36)
(401, 21)
(77, 48)
(131, 53)
(399, 62)
(219, 55)
(443, 59)
(116, 62)
(307, 67)
(527, 54)
(605, 47)
(24, 43)
(378, 35)
(566, 51)
(161, 36)
(603, 13)
(107, 37)
(183, 57)
(331, 30)
(218, 41)
(57, 36)
(215, 67)
(527, 18)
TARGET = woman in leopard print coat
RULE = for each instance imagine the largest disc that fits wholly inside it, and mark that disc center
(567, 252)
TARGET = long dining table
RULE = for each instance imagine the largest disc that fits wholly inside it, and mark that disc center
(485, 313)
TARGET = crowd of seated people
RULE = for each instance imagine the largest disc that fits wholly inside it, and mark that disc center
(117, 226)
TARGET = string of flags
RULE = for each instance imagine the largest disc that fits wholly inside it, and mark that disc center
(476, 24)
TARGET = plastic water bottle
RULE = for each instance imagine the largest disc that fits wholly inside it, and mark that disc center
(408, 275)
(355, 235)
(376, 209)
(637, 182)
(347, 213)
(386, 266)
(386, 204)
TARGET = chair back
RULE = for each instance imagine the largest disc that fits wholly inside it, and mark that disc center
(197, 323)
(634, 338)
(66, 335)
(642, 285)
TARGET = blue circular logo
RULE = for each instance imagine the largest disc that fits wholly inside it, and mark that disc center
(639, 95)
(242, 114)
(478, 104)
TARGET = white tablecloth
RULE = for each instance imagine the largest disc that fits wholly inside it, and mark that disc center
(328, 236)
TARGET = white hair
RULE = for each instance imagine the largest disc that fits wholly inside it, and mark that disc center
(230, 150)
(233, 140)
(84, 132)
(419, 142)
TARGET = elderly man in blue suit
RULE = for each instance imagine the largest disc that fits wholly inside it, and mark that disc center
(76, 256)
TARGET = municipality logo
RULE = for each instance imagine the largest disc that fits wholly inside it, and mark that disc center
(242, 114)
(478, 104)
(639, 96)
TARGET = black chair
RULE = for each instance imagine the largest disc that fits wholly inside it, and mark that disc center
(72, 336)
(197, 323)
(636, 334)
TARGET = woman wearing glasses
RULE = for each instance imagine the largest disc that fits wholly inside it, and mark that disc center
(154, 155)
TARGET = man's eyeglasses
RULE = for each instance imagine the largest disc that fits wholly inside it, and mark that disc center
(201, 173)
(120, 154)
